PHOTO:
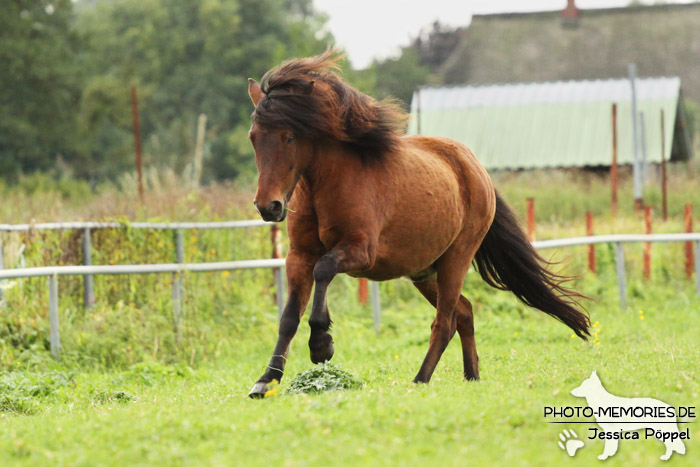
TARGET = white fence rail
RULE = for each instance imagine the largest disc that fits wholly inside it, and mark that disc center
(88, 270)
(52, 272)
(87, 227)
(133, 225)
(618, 240)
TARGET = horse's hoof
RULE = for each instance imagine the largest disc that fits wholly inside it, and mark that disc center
(323, 354)
(258, 391)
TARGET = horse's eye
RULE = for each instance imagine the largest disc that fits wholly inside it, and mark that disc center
(290, 139)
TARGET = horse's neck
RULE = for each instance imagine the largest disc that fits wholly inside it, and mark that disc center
(329, 168)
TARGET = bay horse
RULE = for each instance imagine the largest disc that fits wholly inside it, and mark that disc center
(366, 200)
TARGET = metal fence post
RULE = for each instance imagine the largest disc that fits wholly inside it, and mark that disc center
(697, 265)
(178, 286)
(621, 280)
(2, 266)
(636, 175)
(54, 337)
(88, 280)
(376, 305)
(279, 284)
(643, 132)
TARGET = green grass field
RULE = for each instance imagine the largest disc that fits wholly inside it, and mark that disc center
(174, 415)
(125, 393)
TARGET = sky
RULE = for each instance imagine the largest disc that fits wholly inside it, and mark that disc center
(369, 29)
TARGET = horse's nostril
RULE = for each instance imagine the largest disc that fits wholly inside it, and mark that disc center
(275, 207)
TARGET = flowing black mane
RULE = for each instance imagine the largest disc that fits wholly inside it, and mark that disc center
(307, 97)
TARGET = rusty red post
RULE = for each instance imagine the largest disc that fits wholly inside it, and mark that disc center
(613, 166)
(276, 239)
(664, 192)
(137, 139)
(647, 245)
(591, 248)
(689, 245)
(362, 292)
(531, 219)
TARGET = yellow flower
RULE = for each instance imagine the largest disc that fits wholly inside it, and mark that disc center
(274, 386)
(641, 317)
(515, 334)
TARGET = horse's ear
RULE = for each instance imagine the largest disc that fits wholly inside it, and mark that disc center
(308, 87)
(254, 91)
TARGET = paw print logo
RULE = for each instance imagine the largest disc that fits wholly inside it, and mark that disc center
(569, 442)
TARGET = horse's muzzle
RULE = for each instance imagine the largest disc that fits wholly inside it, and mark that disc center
(274, 212)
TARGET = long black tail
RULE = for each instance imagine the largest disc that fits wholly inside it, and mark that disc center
(507, 260)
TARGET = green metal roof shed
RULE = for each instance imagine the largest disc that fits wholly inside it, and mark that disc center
(554, 124)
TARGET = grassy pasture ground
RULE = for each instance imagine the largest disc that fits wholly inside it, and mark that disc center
(162, 415)
(126, 394)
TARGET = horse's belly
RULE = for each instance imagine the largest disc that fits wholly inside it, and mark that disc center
(417, 236)
(427, 216)
(411, 251)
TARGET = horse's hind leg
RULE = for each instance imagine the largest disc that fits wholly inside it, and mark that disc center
(429, 289)
(465, 327)
(462, 322)
(451, 269)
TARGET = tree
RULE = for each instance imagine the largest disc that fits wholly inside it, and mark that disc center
(185, 57)
(39, 85)
(399, 77)
(418, 64)
(436, 45)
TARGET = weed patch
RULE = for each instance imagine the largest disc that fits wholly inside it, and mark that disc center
(324, 377)
(23, 393)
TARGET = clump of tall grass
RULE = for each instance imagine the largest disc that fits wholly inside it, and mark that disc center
(324, 377)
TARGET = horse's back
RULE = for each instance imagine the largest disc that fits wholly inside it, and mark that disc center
(460, 173)
(475, 183)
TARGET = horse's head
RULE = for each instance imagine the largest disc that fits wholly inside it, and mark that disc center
(280, 158)
(302, 104)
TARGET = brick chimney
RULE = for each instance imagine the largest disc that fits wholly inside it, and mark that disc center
(570, 14)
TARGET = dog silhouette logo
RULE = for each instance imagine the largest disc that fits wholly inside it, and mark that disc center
(621, 417)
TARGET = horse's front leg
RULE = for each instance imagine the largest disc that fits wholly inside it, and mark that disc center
(299, 269)
(354, 253)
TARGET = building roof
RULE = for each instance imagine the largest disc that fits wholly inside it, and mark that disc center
(551, 124)
(661, 40)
